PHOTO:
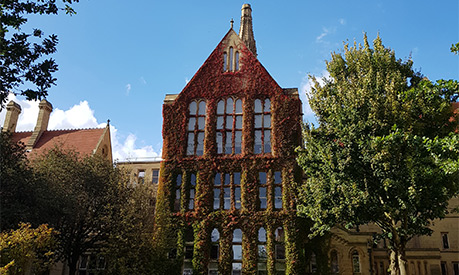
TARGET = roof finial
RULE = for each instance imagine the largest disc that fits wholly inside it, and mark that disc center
(108, 122)
(232, 22)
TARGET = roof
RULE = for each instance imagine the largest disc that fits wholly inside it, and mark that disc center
(84, 141)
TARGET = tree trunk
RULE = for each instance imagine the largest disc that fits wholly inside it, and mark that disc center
(394, 268)
(397, 257)
(402, 259)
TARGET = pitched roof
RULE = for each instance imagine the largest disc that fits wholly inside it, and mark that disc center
(84, 141)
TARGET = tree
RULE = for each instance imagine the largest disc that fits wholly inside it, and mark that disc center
(385, 151)
(85, 195)
(22, 54)
(26, 250)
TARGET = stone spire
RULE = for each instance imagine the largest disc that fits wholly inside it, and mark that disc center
(246, 30)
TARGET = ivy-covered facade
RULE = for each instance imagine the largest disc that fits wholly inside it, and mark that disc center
(226, 202)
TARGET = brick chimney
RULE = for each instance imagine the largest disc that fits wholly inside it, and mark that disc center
(11, 119)
(45, 109)
(246, 29)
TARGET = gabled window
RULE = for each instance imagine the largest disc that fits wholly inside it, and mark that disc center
(231, 60)
(229, 126)
(195, 128)
(227, 191)
(262, 123)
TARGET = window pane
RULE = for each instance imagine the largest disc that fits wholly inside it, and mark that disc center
(217, 180)
(226, 198)
(262, 196)
(267, 139)
(238, 142)
(177, 200)
(261, 235)
(257, 143)
(237, 252)
(190, 147)
(202, 108)
(280, 252)
(237, 197)
(200, 147)
(231, 59)
(237, 235)
(225, 62)
(238, 122)
(191, 202)
(277, 177)
(215, 235)
(214, 253)
(193, 179)
(178, 181)
(279, 234)
(221, 107)
(229, 122)
(257, 106)
(201, 123)
(228, 144)
(237, 267)
(267, 105)
(227, 179)
(189, 252)
(262, 177)
(236, 61)
(262, 253)
(229, 105)
(191, 123)
(219, 143)
(238, 106)
(216, 198)
(237, 178)
(193, 108)
(267, 121)
(257, 121)
(220, 122)
(278, 197)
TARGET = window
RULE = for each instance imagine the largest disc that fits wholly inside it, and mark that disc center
(237, 252)
(231, 60)
(444, 268)
(141, 176)
(313, 263)
(445, 241)
(227, 191)
(214, 252)
(334, 262)
(154, 176)
(189, 250)
(262, 117)
(229, 126)
(262, 252)
(279, 250)
(192, 191)
(277, 190)
(196, 125)
(178, 191)
(455, 268)
(91, 264)
(356, 262)
(262, 190)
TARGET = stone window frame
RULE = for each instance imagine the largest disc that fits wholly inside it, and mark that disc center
(231, 60)
(195, 127)
(229, 122)
(262, 122)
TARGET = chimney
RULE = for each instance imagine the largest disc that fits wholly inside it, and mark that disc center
(11, 119)
(45, 109)
(246, 29)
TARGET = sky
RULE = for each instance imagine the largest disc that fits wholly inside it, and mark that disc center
(118, 59)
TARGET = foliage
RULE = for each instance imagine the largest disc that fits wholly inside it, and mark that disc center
(385, 150)
(17, 202)
(85, 194)
(27, 249)
(455, 48)
(23, 54)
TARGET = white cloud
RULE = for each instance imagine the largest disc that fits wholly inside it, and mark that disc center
(342, 21)
(325, 32)
(82, 116)
(128, 88)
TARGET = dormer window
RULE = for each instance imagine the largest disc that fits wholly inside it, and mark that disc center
(231, 60)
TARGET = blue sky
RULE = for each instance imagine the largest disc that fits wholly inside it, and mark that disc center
(118, 59)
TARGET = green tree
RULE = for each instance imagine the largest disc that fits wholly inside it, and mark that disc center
(26, 250)
(385, 151)
(23, 67)
(85, 195)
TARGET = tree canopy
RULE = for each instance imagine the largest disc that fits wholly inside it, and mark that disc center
(24, 68)
(385, 151)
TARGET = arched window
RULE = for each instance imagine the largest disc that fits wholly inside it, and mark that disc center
(223, 184)
(225, 62)
(229, 126)
(262, 122)
(214, 252)
(231, 60)
(279, 253)
(237, 252)
(236, 62)
(355, 262)
(262, 252)
(334, 262)
(231, 50)
(196, 126)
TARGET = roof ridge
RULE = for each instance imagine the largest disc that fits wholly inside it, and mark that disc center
(75, 129)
